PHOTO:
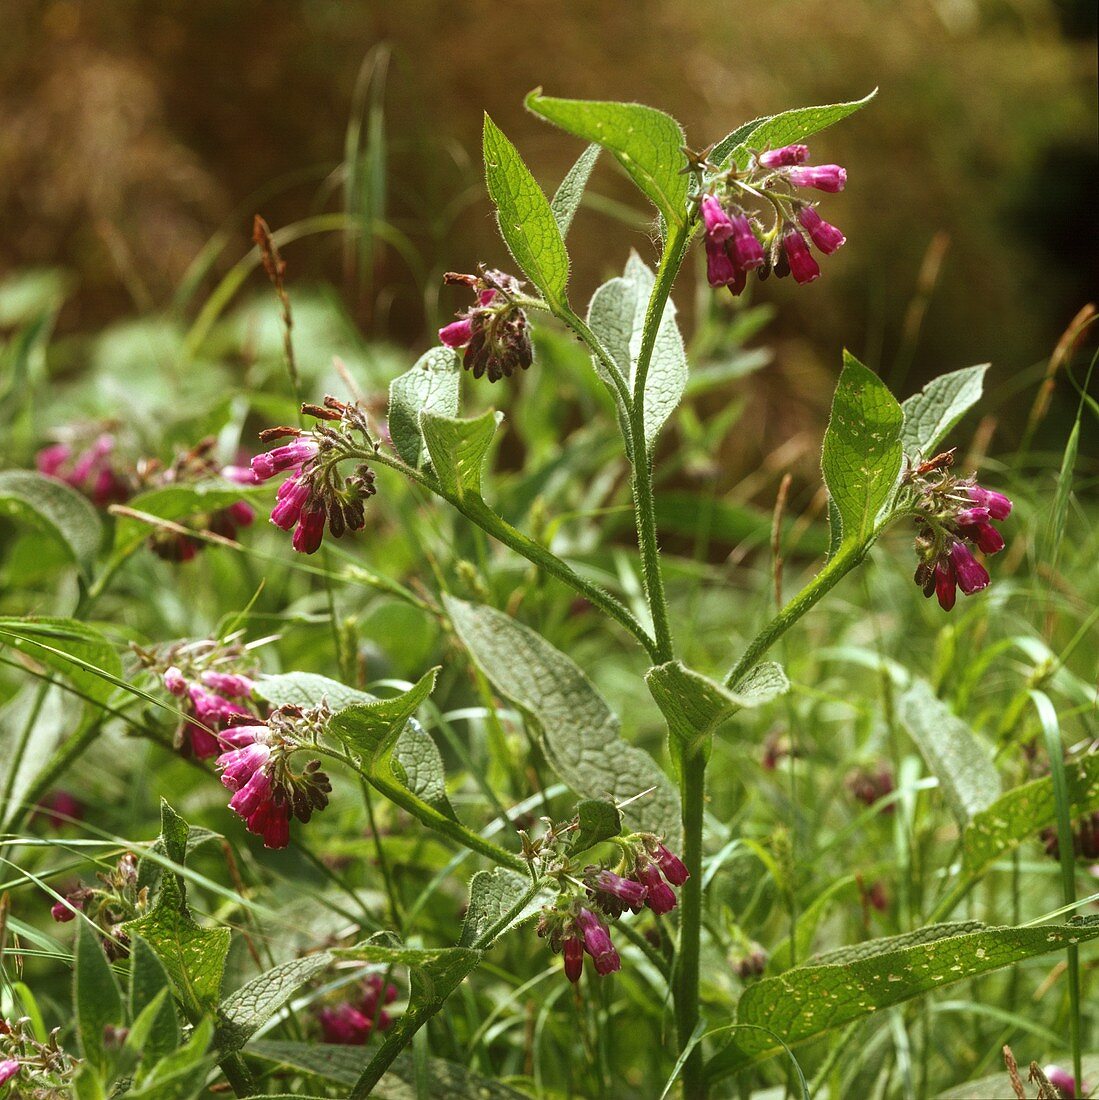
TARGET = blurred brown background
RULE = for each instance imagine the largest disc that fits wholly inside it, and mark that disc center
(132, 131)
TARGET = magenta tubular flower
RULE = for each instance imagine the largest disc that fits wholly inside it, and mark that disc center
(310, 531)
(999, 506)
(60, 808)
(1062, 1081)
(719, 226)
(987, 538)
(625, 889)
(239, 737)
(65, 911)
(458, 333)
(720, 269)
(783, 158)
(201, 743)
(573, 951)
(661, 897)
(9, 1068)
(802, 265)
(292, 495)
(229, 683)
(972, 575)
(746, 249)
(822, 177)
(344, 1024)
(675, 870)
(945, 583)
(175, 681)
(50, 459)
(271, 822)
(241, 513)
(824, 235)
(211, 708)
(242, 475)
(88, 462)
(597, 942)
(267, 465)
(373, 991)
(252, 795)
(239, 765)
(969, 517)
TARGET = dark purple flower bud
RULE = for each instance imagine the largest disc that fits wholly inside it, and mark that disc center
(987, 538)
(823, 177)
(823, 234)
(971, 574)
(9, 1068)
(1062, 1081)
(719, 226)
(745, 246)
(282, 458)
(597, 942)
(573, 951)
(999, 506)
(945, 587)
(802, 265)
(310, 531)
(61, 808)
(241, 513)
(661, 897)
(625, 889)
(292, 495)
(785, 157)
(720, 269)
(675, 870)
(175, 681)
(272, 823)
(458, 333)
(65, 911)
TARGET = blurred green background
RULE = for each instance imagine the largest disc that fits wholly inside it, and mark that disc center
(134, 132)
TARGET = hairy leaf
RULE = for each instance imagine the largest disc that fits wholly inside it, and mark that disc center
(498, 900)
(597, 820)
(862, 449)
(459, 449)
(308, 689)
(432, 384)
(51, 506)
(567, 199)
(647, 143)
(148, 981)
(96, 997)
(930, 414)
(50, 641)
(952, 751)
(579, 733)
(527, 222)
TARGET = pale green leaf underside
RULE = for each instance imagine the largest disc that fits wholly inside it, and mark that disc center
(955, 756)
(567, 199)
(930, 414)
(493, 895)
(459, 449)
(579, 732)
(862, 449)
(432, 384)
(527, 222)
(52, 506)
(646, 142)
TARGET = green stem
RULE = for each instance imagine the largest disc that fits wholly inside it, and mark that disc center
(686, 984)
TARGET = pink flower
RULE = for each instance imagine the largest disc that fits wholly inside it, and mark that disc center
(945, 582)
(802, 265)
(999, 506)
(597, 942)
(344, 1024)
(720, 269)
(61, 808)
(987, 538)
(675, 870)
(239, 765)
(65, 911)
(661, 897)
(229, 683)
(971, 575)
(200, 742)
(310, 531)
(459, 333)
(746, 249)
(266, 466)
(719, 226)
(292, 495)
(9, 1068)
(50, 459)
(241, 513)
(823, 177)
(825, 236)
(784, 157)
(271, 821)
(242, 475)
(1062, 1081)
(573, 951)
(210, 707)
(175, 681)
(625, 889)
(252, 795)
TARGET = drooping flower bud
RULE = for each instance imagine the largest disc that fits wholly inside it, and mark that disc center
(720, 268)
(597, 943)
(660, 896)
(174, 681)
(719, 226)
(1062, 1081)
(457, 334)
(310, 530)
(802, 265)
(291, 497)
(241, 475)
(945, 583)
(745, 246)
(822, 177)
(229, 683)
(824, 235)
(65, 911)
(675, 870)
(785, 157)
(971, 575)
(573, 951)
(998, 505)
(270, 463)
(344, 1024)
(625, 889)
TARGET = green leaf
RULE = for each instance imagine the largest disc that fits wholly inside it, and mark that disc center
(194, 957)
(862, 449)
(181, 1074)
(579, 732)
(695, 706)
(647, 143)
(930, 414)
(244, 1012)
(459, 449)
(96, 997)
(308, 689)
(526, 220)
(51, 506)
(433, 384)
(810, 1000)
(1024, 811)
(567, 199)
(598, 820)
(52, 641)
(344, 1065)
(86, 1085)
(148, 981)
(955, 756)
(775, 131)
(617, 316)
(498, 900)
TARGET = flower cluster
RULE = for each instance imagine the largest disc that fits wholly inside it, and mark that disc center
(578, 924)
(315, 493)
(88, 469)
(351, 1022)
(34, 1069)
(494, 331)
(214, 684)
(870, 785)
(118, 898)
(738, 241)
(257, 768)
(953, 515)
